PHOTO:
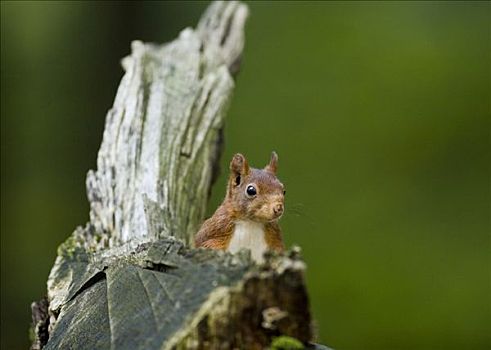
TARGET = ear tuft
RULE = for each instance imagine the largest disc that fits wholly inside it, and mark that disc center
(272, 167)
(239, 165)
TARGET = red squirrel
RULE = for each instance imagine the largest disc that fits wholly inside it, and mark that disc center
(248, 217)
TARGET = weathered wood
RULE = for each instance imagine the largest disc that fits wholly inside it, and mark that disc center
(163, 295)
(129, 279)
(162, 136)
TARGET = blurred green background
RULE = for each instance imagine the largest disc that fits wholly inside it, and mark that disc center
(380, 113)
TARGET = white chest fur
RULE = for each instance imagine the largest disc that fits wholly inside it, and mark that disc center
(249, 235)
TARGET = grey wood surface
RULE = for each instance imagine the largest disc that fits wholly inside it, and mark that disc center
(162, 136)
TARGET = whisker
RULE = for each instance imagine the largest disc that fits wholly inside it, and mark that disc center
(298, 210)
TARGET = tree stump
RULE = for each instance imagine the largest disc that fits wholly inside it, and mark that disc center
(129, 279)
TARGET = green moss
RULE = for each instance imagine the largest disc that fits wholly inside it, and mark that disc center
(286, 343)
(82, 240)
(31, 334)
(69, 247)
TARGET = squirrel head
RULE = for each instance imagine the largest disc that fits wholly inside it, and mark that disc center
(255, 194)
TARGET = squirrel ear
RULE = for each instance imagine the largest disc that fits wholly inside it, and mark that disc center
(239, 165)
(273, 163)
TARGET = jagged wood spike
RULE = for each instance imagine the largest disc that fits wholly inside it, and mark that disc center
(162, 136)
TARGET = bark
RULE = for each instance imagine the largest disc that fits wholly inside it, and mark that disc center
(129, 279)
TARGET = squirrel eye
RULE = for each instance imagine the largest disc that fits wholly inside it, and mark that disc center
(251, 191)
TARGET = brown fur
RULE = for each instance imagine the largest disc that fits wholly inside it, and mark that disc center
(217, 231)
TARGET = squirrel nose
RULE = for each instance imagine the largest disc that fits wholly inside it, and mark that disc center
(278, 209)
